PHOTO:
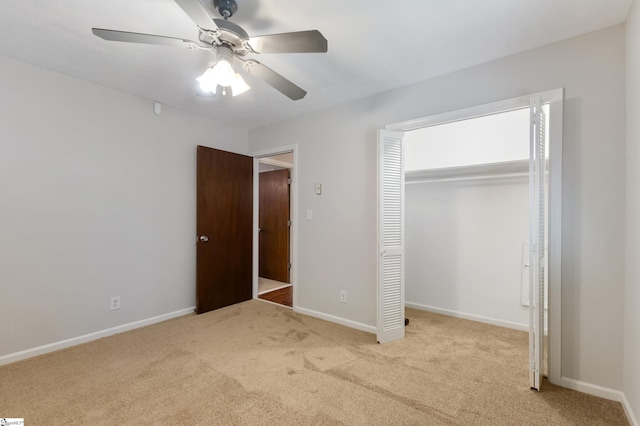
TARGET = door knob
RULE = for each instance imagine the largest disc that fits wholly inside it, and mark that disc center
(203, 238)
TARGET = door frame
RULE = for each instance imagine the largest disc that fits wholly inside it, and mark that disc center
(275, 268)
(293, 235)
(555, 98)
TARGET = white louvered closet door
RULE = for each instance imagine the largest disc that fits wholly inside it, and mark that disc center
(390, 236)
(537, 176)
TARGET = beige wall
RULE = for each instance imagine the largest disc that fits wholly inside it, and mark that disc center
(337, 147)
(97, 199)
(632, 289)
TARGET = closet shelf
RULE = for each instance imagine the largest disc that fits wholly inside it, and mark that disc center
(507, 169)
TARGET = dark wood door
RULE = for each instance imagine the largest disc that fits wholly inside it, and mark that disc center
(274, 225)
(224, 223)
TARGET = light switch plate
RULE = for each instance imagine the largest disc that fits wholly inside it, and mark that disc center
(318, 188)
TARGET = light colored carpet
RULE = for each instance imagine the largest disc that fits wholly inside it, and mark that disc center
(259, 364)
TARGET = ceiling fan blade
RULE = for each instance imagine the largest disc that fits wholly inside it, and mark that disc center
(113, 35)
(297, 42)
(198, 14)
(273, 79)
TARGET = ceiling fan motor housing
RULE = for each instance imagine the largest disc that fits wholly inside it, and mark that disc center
(230, 34)
(226, 8)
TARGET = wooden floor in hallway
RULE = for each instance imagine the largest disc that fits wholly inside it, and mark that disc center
(282, 296)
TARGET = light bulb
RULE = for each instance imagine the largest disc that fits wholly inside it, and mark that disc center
(239, 86)
(224, 74)
(207, 81)
(220, 74)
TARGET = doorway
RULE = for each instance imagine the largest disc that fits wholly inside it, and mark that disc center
(391, 176)
(274, 228)
(228, 216)
(467, 218)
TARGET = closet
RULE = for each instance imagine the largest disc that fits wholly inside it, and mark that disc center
(467, 218)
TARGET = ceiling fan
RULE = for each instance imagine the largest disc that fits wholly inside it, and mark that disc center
(230, 44)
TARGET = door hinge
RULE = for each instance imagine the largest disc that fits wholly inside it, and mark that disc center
(289, 181)
(289, 223)
(289, 265)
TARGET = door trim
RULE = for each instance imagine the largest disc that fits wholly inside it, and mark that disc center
(294, 216)
(555, 98)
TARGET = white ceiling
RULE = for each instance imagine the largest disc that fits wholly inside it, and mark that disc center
(374, 45)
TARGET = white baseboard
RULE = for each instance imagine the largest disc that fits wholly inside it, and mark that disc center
(602, 392)
(40, 350)
(472, 317)
(628, 411)
(591, 389)
(337, 320)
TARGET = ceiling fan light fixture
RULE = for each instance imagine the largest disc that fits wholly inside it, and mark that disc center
(222, 74)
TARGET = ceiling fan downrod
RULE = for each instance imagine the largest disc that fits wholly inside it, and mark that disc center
(226, 8)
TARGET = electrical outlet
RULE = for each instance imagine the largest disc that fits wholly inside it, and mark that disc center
(115, 303)
(343, 296)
